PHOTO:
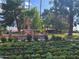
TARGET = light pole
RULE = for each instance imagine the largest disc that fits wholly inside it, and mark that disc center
(40, 7)
(29, 4)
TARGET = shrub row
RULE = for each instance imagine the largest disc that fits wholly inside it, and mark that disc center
(35, 38)
(44, 50)
(3, 40)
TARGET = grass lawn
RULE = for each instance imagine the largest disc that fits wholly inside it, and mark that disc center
(64, 35)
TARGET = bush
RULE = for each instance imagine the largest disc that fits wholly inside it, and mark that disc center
(77, 52)
(16, 57)
(56, 38)
(12, 40)
(13, 57)
(35, 38)
(46, 37)
(76, 57)
(70, 57)
(49, 56)
(29, 37)
(59, 57)
(19, 57)
(3, 40)
(36, 56)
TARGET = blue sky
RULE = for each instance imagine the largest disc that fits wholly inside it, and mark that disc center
(36, 3)
(45, 4)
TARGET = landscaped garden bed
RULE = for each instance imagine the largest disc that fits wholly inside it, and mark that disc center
(41, 50)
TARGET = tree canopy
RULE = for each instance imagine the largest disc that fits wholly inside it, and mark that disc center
(68, 8)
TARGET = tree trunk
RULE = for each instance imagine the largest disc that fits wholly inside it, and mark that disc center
(17, 23)
(70, 22)
(17, 20)
(70, 27)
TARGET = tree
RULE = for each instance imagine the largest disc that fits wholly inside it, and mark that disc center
(68, 8)
(34, 16)
(59, 23)
(36, 22)
(11, 11)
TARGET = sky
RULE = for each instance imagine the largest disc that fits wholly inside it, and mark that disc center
(36, 3)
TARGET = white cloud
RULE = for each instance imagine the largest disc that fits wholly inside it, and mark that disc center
(27, 4)
(76, 28)
(1, 10)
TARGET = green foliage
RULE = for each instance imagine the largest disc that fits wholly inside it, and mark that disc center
(19, 57)
(56, 38)
(66, 9)
(49, 56)
(52, 21)
(3, 40)
(35, 38)
(12, 40)
(16, 57)
(46, 37)
(29, 37)
(36, 22)
(13, 57)
(11, 10)
(33, 14)
(34, 50)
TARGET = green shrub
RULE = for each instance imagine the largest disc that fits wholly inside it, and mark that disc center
(77, 52)
(46, 37)
(33, 50)
(49, 56)
(10, 39)
(70, 57)
(19, 57)
(13, 57)
(76, 57)
(36, 56)
(15, 40)
(53, 37)
(3, 40)
(56, 38)
(16, 57)
(43, 56)
(27, 56)
(57, 53)
(29, 37)
(58, 57)
(35, 38)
